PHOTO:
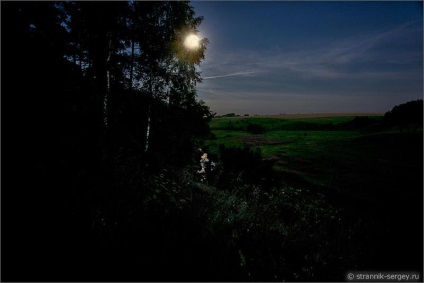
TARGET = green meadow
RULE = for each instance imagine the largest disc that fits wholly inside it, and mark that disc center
(357, 156)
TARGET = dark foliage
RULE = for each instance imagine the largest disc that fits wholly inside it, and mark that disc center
(406, 113)
(358, 123)
(243, 164)
(255, 129)
(78, 168)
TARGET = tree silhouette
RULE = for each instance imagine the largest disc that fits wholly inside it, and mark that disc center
(82, 80)
(409, 112)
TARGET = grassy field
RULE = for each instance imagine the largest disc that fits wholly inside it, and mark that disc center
(340, 153)
(360, 158)
(367, 170)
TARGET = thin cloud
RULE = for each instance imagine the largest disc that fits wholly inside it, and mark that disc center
(342, 58)
(229, 75)
(380, 68)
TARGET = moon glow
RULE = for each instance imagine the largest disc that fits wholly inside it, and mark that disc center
(192, 42)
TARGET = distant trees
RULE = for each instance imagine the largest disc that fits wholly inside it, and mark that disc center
(230, 115)
(406, 113)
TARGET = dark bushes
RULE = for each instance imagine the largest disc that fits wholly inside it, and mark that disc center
(240, 165)
(359, 123)
(239, 159)
(255, 129)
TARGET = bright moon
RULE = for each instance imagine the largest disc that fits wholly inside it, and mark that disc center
(192, 41)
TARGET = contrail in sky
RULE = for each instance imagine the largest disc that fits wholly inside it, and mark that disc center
(229, 75)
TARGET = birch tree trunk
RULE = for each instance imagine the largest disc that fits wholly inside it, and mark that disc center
(107, 94)
(147, 130)
(148, 119)
(80, 59)
(132, 65)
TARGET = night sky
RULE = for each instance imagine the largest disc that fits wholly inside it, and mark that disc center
(310, 57)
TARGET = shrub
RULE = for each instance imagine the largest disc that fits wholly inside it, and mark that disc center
(361, 122)
(239, 159)
(255, 129)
